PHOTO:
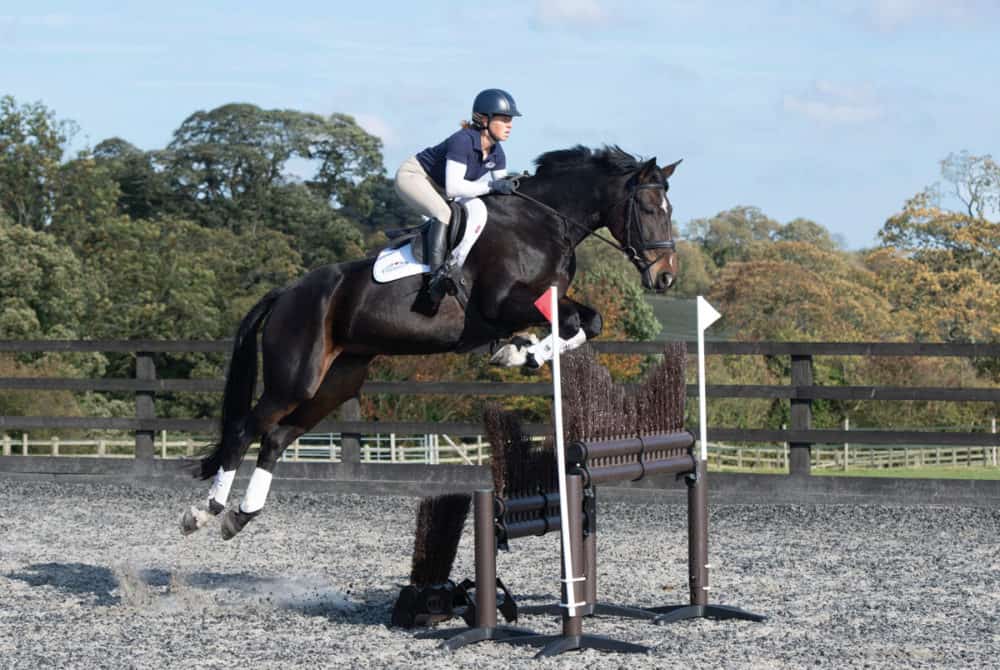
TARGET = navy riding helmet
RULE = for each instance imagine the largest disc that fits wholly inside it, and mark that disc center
(494, 101)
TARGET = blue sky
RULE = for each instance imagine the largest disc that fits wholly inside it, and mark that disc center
(832, 110)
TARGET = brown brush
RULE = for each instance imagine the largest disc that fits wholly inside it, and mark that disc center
(439, 528)
(597, 408)
(520, 467)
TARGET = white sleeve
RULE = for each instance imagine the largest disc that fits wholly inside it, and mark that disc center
(500, 174)
(457, 186)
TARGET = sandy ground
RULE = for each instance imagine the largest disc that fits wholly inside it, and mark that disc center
(98, 575)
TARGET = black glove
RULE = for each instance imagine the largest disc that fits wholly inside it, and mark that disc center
(504, 186)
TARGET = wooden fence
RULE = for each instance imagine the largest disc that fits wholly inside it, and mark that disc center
(801, 392)
(851, 457)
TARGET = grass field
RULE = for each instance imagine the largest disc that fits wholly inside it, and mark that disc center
(926, 472)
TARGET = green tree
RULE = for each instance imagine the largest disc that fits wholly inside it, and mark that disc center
(347, 157)
(804, 230)
(86, 196)
(696, 271)
(41, 294)
(387, 212)
(732, 235)
(32, 142)
(320, 233)
(143, 189)
(230, 168)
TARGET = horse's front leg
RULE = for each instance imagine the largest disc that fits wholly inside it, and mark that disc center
(577, 324)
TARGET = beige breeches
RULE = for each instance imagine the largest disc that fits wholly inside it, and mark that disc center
(419, 191)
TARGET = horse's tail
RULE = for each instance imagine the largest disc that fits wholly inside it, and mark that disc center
(241, 380)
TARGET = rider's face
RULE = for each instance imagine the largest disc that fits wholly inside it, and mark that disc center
(500, 126)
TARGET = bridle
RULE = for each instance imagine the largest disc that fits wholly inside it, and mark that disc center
(633, 229)
(632, 223)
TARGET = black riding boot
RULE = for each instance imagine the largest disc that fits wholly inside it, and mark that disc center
(436, 284)
(437, 244)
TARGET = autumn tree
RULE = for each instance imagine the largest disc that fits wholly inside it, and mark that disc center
(941, 264)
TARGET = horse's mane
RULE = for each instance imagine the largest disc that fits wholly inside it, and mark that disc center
(610, 160)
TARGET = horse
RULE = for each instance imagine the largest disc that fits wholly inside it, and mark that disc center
(320, 334)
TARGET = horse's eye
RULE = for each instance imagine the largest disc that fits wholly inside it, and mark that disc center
(666, 186)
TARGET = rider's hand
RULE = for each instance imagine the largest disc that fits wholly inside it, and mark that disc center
(504, 186)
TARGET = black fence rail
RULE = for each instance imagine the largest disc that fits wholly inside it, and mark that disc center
(801, 392)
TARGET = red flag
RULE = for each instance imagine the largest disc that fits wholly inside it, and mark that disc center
(544, 304)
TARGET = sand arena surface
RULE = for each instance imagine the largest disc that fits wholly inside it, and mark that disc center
(97, 575)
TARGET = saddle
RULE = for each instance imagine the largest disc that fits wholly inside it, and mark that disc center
(456, 231)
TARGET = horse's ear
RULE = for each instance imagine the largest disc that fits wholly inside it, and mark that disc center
(647, 170)
(669, 169)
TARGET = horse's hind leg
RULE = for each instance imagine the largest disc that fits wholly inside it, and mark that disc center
(343, 381)
(265, 414)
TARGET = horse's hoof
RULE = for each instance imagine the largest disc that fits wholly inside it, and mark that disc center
(194, 519)
(531, 363)
(234, 521)
(528, 340)
(510, 356)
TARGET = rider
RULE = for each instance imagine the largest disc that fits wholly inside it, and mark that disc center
(467, 164)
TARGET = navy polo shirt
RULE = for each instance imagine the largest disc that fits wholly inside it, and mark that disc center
(463, 147)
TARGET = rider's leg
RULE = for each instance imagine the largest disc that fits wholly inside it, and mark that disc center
(418, 190)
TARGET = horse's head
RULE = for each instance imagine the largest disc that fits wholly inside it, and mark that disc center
(641, 224)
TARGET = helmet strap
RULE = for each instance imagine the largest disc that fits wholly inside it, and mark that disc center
(477, 123)
(496, 140)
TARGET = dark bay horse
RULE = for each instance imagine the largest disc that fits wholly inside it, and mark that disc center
(319, 334)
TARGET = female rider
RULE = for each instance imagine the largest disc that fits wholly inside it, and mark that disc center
(467, 164)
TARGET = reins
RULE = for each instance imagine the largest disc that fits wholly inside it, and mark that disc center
(572, 222)
(630, 251)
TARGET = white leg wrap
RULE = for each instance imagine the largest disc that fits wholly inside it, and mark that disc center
(543, 350)
(256, 495)
(221, 485)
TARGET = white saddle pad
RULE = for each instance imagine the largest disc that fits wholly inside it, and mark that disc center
(393, 264)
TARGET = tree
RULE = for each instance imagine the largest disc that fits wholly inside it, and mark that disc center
(173, 279)
(347, 156)
(231, 169)
(143, 188)
(41, 292)
(86, 195)
(974, 181)
(318, 232)
(804, 230)
(732, 235)
(696, 271)
(778, 299)
(941, 265)
(32, 142)
(387, 211)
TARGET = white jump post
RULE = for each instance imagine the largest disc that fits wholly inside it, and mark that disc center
(551, 311)
(706, 317)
